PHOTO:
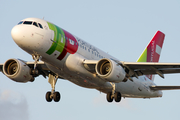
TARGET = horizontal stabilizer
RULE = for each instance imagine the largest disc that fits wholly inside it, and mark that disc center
(164, 87)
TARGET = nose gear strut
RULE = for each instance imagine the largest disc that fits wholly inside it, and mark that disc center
(36, 58)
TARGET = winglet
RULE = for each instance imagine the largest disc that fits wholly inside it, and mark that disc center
(153, 50)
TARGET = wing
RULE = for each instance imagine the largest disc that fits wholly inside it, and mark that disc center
(136, 69)
(146, 68)
(164, 87)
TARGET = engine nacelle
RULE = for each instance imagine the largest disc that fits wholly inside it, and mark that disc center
(17, 71)
(110, 71)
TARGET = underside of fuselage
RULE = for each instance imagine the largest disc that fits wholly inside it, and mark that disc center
(81, 77)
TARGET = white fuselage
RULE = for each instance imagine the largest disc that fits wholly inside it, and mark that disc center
(37, 41)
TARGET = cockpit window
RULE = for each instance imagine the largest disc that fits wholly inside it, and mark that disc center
(31, 23)
(20, 22)
(35, 24)
(40, 25)
(27, 22)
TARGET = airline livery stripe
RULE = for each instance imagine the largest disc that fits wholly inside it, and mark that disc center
(143, 57)
(59, 39)
(63, 42)
(53, 46)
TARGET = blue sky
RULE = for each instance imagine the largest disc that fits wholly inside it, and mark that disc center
(121, 28)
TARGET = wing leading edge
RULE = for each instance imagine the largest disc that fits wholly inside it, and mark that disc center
(155, 88)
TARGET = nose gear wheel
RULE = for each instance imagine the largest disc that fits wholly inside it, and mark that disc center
(53, 95)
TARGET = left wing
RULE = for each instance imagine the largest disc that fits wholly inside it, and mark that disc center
(164, 87)
(136, 69)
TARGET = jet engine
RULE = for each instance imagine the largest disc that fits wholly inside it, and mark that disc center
(17, 71)
(110, 71)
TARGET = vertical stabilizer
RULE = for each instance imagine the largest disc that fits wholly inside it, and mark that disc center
(153, 50)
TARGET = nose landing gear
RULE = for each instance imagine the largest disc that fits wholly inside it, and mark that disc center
(52, 80)
(36, 58)
(53, 95)
(56, 96)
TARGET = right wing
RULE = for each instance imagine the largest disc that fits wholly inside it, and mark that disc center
(41, 67)
(147, 68)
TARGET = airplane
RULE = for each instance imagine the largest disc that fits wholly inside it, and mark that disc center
(58, 54)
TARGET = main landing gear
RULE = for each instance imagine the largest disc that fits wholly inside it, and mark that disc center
(53, 95)
(113, 95)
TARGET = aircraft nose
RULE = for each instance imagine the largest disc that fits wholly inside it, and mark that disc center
(17, 34)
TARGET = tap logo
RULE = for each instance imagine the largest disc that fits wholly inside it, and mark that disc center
(63, 42)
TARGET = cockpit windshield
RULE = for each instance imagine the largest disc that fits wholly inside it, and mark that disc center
(31, 23)
(28, 22)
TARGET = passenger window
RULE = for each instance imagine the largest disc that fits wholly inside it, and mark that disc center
(40, 25)
(20, 22)
(35, 24)
(28, 22)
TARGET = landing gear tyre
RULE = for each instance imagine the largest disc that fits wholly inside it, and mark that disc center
(109, 99)
(56, 96)
(117, 96)
(48, 97)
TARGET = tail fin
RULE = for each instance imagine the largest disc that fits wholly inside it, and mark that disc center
(153, 50)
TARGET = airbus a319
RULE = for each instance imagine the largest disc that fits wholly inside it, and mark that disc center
(58, 54)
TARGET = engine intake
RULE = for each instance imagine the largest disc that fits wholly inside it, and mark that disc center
(110, 71)
(17, 71)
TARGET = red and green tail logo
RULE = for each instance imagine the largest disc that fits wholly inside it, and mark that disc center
(153, 50)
